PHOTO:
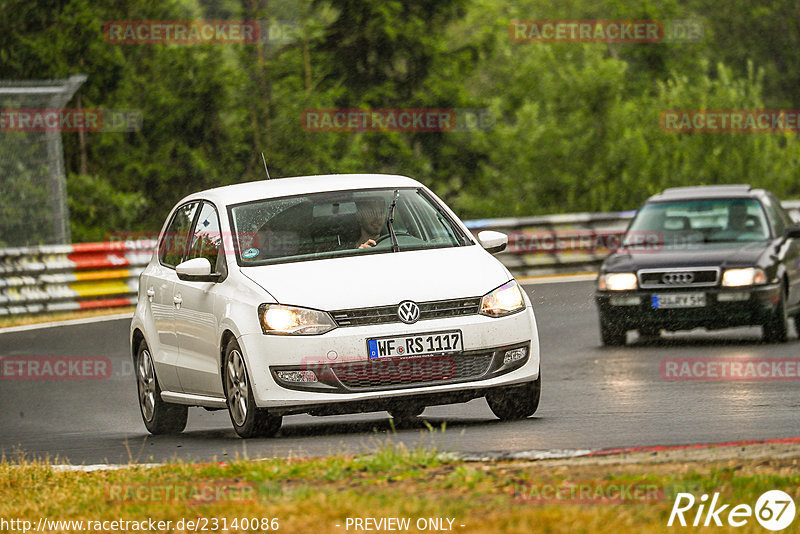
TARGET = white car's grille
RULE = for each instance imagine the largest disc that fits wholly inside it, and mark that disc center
(436, 309)
(412, 371)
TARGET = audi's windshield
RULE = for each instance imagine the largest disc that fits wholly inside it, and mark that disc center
(700, 221)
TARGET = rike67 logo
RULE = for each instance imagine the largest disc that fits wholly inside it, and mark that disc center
(774, 510)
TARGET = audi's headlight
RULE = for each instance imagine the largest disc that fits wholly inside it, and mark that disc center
(289, 320)
(750, 276)
(504, 300)
(616, 282)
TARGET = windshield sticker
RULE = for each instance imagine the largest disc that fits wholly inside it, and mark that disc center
(250, 253)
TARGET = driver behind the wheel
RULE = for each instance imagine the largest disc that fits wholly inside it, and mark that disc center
(737, 217)
(371, 215)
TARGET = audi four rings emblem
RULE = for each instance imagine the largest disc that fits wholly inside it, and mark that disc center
(678, 278)
(408, 312)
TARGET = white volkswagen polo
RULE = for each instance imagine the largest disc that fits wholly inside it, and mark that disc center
(327, 295)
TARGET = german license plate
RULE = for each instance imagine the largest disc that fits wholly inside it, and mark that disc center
(679, 300)
(434, 343)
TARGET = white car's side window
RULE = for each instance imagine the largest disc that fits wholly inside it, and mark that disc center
(206, 239)
(172, 248)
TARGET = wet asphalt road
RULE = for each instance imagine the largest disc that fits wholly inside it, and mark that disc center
(593, 397)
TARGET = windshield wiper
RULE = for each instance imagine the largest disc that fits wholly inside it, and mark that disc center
(395, 245)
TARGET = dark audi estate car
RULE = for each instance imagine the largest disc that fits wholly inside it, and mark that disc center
(711, 256)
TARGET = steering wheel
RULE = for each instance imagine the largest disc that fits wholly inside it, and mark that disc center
(388, 236)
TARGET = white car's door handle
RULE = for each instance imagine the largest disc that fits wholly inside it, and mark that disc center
(177, 300)
(150, 294)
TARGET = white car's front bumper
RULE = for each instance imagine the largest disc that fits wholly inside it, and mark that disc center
(481, 335)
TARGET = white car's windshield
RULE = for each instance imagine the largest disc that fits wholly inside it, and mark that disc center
(341, 223)
(700, 221)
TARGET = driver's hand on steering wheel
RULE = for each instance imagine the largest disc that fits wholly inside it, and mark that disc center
(369, 243)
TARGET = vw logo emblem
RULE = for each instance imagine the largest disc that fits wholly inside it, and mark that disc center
(408, 312)
(677, 278)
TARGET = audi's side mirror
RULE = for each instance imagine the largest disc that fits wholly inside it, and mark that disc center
(793, 232)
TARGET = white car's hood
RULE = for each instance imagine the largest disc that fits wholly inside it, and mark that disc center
(382, 279)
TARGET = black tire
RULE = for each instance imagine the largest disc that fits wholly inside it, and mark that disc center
(159, 417)
(248, 420)
(776, 330)
(612, 334)
(515, 402)
(649, 332)
(406, 414)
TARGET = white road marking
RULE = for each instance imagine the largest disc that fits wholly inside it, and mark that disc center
(100, 467)
(551, 454)
(86, 320)
(556, 279)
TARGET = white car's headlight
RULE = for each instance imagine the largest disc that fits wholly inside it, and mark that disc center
(504, 300)
(616, 282)
(289, 320)
(749, 276)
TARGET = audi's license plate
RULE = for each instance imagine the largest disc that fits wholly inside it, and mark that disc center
(679, 300)
(434, 343)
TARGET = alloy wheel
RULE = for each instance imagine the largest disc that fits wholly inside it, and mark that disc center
(147, 385)
(237, 387)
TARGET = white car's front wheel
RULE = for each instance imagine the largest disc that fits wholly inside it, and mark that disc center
(159, 417)
(515, 402)
(248, 420)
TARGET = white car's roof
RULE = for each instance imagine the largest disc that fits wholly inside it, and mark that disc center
(279, 187)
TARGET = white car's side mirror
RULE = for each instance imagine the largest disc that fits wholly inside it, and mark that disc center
(196, 270)
(492, 241)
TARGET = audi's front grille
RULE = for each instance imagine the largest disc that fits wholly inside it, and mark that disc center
(679, 278)
(436, 309)
(376, 374)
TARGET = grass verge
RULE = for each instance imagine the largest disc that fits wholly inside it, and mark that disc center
(327, 494)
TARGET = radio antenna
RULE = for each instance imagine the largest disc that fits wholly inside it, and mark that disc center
(265, 164)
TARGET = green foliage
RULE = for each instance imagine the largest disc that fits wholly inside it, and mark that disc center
(765, 33)
(577, 143)
(96, 206)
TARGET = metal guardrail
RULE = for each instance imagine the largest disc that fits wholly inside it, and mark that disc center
(552, 244)
(100, 275)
